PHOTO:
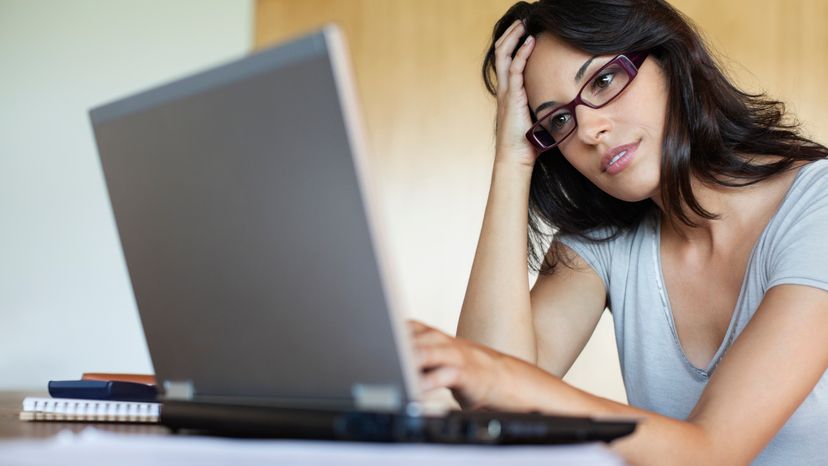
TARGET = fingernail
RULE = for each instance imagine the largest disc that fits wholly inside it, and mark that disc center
(529, 39)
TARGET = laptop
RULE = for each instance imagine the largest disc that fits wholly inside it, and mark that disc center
(248, 221)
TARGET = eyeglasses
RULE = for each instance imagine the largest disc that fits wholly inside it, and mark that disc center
(600, 89)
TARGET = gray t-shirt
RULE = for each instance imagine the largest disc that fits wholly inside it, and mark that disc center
(657, 375)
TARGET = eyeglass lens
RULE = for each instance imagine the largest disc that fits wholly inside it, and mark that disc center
(602, 87)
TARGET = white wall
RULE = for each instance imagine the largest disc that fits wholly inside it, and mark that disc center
(65, 301)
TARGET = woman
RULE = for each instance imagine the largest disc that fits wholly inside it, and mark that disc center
(695, 212)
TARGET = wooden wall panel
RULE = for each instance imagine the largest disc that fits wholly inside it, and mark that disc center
(429, 124)
(777, 46)
(429, 121)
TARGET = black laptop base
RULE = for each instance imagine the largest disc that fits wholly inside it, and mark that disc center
(456, 427)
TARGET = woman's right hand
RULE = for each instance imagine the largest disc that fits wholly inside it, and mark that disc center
(513, 118)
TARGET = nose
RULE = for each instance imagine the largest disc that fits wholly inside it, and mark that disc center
(593, 124)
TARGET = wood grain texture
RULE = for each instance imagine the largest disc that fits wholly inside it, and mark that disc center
(774, 46)
(429, 123)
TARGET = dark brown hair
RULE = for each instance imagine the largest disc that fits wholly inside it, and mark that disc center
(712, 130)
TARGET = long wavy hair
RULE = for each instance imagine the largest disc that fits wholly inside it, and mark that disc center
(713, 130)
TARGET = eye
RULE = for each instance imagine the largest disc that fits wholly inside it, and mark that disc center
(603, 80)
(558, 120)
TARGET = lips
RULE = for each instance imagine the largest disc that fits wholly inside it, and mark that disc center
(616, 153)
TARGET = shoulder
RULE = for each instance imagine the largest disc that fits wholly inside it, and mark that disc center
(601, 247)
(807, 198)
(813, 176)
(794, 245)
(613, 236)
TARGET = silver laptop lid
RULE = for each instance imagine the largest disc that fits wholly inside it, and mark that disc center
(246, 217)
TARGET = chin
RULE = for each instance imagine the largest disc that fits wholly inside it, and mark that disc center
(635, 193)
(629, 196)
(645, 186)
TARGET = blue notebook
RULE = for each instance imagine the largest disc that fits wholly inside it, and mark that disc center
(102, 390)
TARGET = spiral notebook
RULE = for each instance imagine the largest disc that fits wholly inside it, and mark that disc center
(67, 409)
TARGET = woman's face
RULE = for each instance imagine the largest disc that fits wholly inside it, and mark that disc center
(634, 121)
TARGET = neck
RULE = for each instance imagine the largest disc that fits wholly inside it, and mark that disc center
(733, 209)
(741, 213)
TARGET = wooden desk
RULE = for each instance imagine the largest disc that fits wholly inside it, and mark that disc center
(12, 427)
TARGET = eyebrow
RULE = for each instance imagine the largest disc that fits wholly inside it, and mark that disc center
(578, 76)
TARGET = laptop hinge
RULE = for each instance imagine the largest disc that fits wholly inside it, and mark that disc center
(179, 389)
(376, 397)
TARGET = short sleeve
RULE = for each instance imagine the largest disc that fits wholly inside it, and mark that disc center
(597, 254)
(799, 249)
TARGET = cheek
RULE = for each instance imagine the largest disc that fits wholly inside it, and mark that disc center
(652, 96)
(574, 151)
(577, 158)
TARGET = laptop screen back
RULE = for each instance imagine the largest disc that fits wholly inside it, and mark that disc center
(239, 198)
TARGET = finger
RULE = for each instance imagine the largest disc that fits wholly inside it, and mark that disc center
(519, 63)
(443, 377)
(430, 336)
(506, 32)
(435, 356)
(415, 326)
(514, 33)
(503, 56)
(417, 329)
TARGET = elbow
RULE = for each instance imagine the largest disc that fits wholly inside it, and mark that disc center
(677, 443)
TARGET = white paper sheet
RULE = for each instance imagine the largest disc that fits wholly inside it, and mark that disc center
(95, 447)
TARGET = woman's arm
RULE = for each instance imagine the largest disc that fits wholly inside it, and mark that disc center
(566, 308)
(496, 309)
(767, 373)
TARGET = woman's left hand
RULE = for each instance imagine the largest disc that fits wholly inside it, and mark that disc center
(479, 377)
